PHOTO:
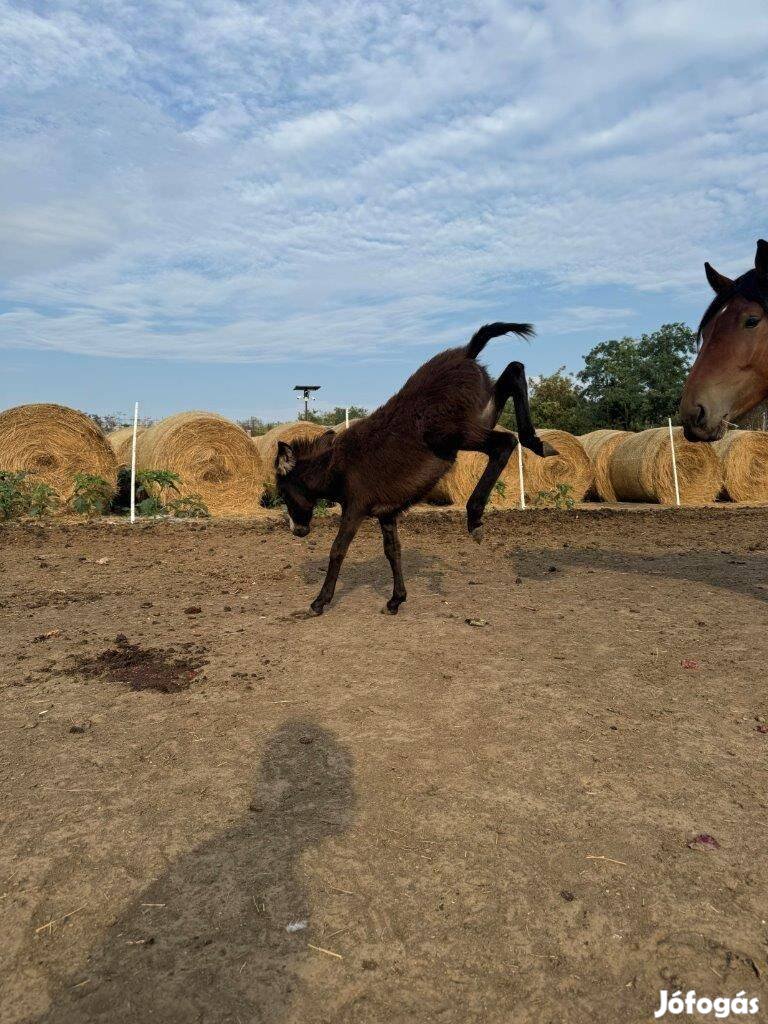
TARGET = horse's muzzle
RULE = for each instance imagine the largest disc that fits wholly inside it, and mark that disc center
(693, 432)
(699, 425)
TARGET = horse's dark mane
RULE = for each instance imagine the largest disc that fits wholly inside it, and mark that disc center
(308, 447)
(752, 286)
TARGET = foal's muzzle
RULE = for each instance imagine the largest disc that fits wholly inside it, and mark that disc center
(296, 529)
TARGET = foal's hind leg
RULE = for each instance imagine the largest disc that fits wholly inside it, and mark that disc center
(392, 551)
(498, 446)
(512, 383)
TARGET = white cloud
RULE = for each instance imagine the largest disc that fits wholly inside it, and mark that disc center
(584, 318)
(38, 51)
(197, 180)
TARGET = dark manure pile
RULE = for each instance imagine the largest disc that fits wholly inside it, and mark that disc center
(143, 668)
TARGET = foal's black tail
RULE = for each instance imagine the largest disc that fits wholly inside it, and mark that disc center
(483, 335)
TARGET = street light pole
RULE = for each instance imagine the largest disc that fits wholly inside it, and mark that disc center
(306, 390)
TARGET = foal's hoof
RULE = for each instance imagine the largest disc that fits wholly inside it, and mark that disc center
(477, 534)
(549, 451)
(317, 607)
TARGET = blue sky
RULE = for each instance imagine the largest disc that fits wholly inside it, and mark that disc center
(204, 203)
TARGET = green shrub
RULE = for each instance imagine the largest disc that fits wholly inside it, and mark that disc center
(12, 497)
(151, 506)
(271, 498)
(155, 485)
(560, 497)
(191, 506)
(21, 496)
(92, 495)
(157, 481)
(42, 499)
(151, 487)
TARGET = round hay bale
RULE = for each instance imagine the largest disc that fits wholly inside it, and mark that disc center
(53, 443)
(214, 458)
(599, 446)
(641, 469)
(455, 486)
(570, 467)
(267, 443)
(121, 441)
(743, 457)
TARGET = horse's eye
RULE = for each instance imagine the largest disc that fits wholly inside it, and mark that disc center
(752, 321)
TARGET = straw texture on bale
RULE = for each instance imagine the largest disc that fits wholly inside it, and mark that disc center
(213, 457)
(267, 443)
(455, 486)
(570, 466)
(53, 443)
(743, 457)
(599, 446)
(641, 469)
(121, 441)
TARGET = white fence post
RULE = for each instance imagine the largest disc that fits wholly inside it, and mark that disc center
(133, 462)
(520, 473)
(674, 462)
(346, 412)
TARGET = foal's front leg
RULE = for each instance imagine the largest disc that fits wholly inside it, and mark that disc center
(392, 551)
(350, 524)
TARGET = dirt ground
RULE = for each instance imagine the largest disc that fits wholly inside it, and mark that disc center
(216, 811)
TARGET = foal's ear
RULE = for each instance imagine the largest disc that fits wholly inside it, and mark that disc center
(718, 282)
(285, 459)
(761, 258)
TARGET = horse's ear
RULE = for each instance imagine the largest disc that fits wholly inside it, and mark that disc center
(761, 258)
(285, 459)
(719, 283)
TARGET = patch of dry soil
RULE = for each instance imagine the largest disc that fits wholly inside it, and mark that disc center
(375, 819)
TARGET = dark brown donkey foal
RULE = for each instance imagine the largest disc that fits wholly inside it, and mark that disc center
(392, 458)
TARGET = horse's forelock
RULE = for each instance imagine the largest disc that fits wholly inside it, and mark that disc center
(751, 286)
(718, 303)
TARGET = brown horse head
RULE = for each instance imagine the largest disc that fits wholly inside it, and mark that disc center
(730, 374)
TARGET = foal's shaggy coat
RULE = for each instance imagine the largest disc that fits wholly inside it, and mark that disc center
(394, 457)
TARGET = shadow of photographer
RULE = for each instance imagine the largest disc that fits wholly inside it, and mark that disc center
(210, 939)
